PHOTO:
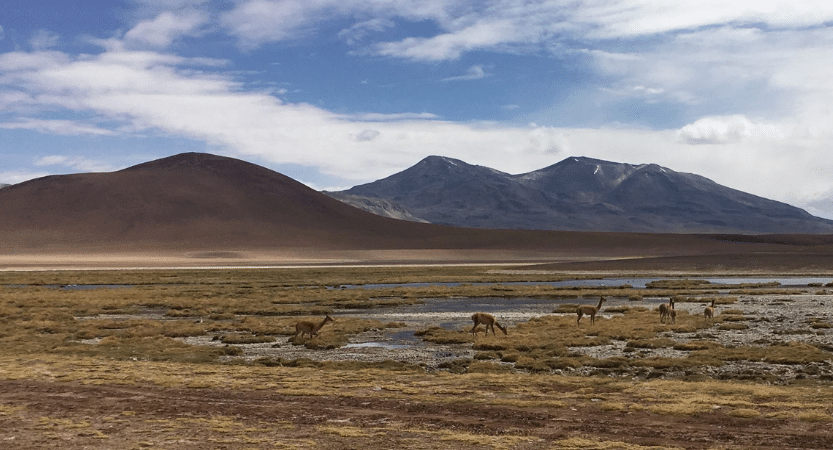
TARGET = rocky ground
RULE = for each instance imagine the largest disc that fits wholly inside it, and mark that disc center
(771, 319)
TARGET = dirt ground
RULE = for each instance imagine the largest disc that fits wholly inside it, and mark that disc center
(70, 415)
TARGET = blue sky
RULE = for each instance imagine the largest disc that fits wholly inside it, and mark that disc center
(335, 93)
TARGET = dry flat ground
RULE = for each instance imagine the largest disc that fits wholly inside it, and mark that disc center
(55, 399)
(109, 414)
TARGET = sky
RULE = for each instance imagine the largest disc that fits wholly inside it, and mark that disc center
(336, 93)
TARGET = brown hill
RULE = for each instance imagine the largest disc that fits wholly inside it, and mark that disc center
(185, 201)
(202, 202)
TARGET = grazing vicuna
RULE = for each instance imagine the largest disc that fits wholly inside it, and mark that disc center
(590, 311)
(488, 321)
(310, 327)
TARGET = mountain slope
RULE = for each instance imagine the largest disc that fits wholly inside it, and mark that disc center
(584, 194)
(377, 206)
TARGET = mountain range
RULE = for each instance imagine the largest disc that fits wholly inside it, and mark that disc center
(578, 194)
(214, 208)
(207, 203)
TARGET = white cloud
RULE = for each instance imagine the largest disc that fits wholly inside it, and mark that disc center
(504, 24)
(378, 117)
(74, 162)
(165, 28)
(366, 136)
(17, 176)
(13, 62)
(357, 32)
(474, 73)
(628, 18)
(256, 22)
(717, 130)
(60, 127)
(43, 40)
(481, 35)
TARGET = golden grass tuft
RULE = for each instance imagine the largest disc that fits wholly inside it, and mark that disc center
(744, 413)
(593, 444)
(814, 416)
(679, 409)
(349, 431)
(245, 338)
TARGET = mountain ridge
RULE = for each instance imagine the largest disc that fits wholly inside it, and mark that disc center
(583, 194)
(194, 205)
(203, 202)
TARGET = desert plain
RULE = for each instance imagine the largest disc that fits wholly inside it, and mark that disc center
(197, 350)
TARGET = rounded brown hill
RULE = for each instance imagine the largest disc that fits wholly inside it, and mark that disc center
(203, 201)
(187, 200)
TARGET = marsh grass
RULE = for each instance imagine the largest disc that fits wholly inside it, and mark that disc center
(159, 348)
(543, 344)
(745, 413)
(476, 390)
(583, 443)
(349, 431)
(819, 324)
(814, 416)
(793, 353)
(247, 306)
(245, 338)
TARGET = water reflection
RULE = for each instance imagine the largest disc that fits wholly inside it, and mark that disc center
(608, 282)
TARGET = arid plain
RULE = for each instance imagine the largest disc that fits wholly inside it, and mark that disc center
(157, 353)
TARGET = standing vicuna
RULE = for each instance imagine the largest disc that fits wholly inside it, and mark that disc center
(488, 320)
(708, 313)
(665, 311)
(310, 327)
(590, 311)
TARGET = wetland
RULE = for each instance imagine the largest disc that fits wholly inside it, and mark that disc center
(399, 362)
